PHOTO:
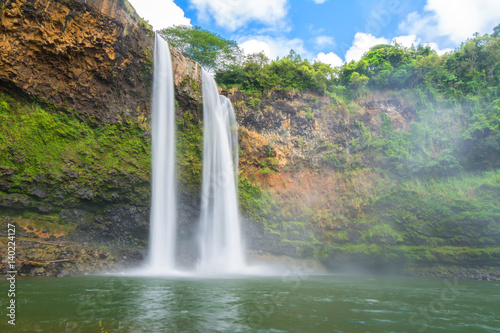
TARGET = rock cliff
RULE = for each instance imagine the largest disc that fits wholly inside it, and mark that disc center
(91, 56)
(76, 176)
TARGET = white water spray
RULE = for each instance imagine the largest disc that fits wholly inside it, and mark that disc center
(221, 249)
(163, 203)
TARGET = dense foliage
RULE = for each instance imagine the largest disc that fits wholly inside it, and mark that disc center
(427, 191)
(211, 50)
(258, 74)
(457, 97)
(423, 192)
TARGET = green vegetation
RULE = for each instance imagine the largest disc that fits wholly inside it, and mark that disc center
(210, 50)
(457, 100)
(38, 141)
(189, 151)
(459, 211)
(423, 190)
(258, 75)
(255, 201)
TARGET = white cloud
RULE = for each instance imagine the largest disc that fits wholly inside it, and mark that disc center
(320, 1)
(361, 44)
(255, 46)
(455, 20)
(439, 51)
(407, 41)
(234, 14)
(322, 41)
(273, 47)
(330, 58)
(160, 14)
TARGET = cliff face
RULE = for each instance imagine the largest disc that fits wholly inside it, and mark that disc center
(317, 180)
(91, 56)
(75, 85)
(296, 147)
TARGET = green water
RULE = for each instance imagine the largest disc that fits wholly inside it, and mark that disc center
(282, 304)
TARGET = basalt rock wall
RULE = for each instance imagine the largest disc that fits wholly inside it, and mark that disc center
(93, 56)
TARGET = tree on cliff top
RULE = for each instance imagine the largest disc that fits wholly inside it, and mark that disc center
(211, 50)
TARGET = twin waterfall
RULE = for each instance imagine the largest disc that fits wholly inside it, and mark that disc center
(219, 238)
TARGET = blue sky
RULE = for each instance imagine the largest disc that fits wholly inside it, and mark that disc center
(331, 31)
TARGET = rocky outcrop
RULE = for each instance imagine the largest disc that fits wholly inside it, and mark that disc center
(91, 56)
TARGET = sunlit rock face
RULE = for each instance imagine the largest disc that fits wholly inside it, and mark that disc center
(91, 56)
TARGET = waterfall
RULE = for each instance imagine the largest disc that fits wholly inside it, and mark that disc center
(221, 247)
(163, 202)
(220, 240)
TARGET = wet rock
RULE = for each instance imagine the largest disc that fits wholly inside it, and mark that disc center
(4, 185)
(103, 70)
(62, 273)
(45, 207)
(85, 193)
(38, 192)
(76, 216)
(15, 201)
(7, 171)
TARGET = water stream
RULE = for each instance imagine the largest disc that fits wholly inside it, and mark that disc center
(220, 240)
(163, 202)
(221, 249)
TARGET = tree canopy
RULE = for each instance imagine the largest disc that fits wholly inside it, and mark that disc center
(209, 49)
(258, 74)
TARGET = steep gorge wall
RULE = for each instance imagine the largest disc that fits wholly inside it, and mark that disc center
(93, 56)
(295, 146)
(75, 84)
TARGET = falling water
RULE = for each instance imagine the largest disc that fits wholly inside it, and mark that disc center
(163, 202)
(220, 235)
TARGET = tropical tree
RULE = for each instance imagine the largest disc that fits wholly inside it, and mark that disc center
(209, 49)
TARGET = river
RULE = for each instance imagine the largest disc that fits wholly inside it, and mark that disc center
(288, 303)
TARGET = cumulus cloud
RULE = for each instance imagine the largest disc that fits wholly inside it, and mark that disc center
(455, 20)
(330, 58)
(407, 40)
(361, 44)
(322, 41)
(273, 47)
(256, 46)
(160, 14)
(234, 14)
(439, 51)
